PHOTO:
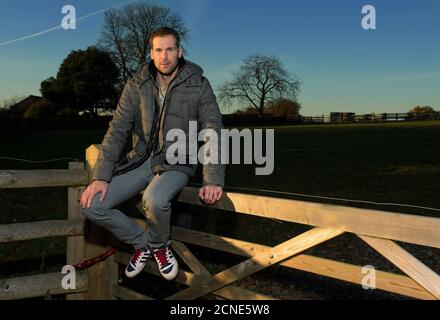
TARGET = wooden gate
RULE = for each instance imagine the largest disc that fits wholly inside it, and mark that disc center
(379, 229)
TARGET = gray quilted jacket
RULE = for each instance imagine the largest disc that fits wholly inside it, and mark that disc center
(190, 97)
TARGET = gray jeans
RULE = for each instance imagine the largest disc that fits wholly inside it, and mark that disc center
(160, 189)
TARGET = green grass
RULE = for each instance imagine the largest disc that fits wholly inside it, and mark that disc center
(392, 162)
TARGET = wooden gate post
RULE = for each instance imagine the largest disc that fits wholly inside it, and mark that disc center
(75, 244)
(103, 275)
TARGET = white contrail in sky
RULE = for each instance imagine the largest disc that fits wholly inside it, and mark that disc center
(33, 35)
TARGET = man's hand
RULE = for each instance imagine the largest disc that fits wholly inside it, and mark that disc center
(210, 193)
(95, 187)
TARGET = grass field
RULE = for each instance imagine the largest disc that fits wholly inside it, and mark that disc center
(391, 162)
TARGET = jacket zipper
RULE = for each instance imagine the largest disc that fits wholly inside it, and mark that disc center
(163, 107)
(142, 160)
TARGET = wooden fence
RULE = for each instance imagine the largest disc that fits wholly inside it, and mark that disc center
(369, 118)
(379, 229)
(75, 178)
(23, 125)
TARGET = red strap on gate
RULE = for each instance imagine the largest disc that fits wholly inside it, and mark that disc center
(91, 262)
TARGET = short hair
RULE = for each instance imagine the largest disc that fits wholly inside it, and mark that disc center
(162, 32)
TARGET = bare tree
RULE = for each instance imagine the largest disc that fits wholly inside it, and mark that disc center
(113, 41)
(8, 102)
(126, 32)
(261, 79)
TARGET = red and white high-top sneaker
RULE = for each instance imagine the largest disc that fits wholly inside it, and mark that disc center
(168, 265)
(137, 262)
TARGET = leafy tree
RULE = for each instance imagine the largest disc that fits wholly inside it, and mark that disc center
(423, 113)
(284, 108)
(421, 110)
(86, 81)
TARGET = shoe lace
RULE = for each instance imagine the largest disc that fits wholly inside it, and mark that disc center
(162, 256)
(136, 256)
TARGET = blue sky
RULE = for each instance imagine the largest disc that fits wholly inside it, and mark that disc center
(343, 67)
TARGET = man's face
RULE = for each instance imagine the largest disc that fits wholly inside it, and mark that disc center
(165, 54)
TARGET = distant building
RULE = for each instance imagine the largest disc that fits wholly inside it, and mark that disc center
(21, 107)
(341, 117)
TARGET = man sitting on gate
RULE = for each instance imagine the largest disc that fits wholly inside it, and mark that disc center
(164, 94)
